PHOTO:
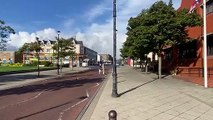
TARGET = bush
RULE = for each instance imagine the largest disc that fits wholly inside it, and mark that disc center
(15, 65)
(27, 65)
(45, 63)
(34, 63)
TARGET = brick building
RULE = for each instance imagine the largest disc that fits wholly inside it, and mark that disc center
(10, 57)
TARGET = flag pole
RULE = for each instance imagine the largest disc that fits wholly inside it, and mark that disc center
(205, 46)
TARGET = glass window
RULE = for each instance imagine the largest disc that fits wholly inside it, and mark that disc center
(168, 54)
(188, 50)
(209, 8)
(210, 46)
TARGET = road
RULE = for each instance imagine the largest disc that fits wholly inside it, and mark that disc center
(61, 98)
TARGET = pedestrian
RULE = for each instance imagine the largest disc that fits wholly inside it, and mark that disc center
(103, 68)
(100, 68)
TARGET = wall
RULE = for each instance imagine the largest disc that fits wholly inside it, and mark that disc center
(6, 56)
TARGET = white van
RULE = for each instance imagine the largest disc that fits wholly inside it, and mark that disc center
(84, 64)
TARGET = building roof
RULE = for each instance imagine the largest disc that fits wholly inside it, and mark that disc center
(75, 41)
(52, 42)
(79, 42)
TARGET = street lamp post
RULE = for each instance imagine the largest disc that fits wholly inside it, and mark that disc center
(38, 51)
(72, 60)
(61, 58)
(58, 53)
(114, 74)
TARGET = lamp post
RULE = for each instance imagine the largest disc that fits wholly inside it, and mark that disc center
(114, 74)
(72, 59)
(58, 53)
(38, 51)
(61, 58)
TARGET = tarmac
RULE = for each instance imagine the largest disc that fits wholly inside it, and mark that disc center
(23, 79)
(144, 97)
(141, 96)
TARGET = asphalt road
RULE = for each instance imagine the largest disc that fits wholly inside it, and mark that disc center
(51, 99)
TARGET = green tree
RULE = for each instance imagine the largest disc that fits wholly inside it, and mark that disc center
(24, 48)
(66, 48)
(158, 27)
(4, 33)
(169, 26)
(30, 48)
(138, 43)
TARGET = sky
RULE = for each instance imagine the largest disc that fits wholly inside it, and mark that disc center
(89, 21)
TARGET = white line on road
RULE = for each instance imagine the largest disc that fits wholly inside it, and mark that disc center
(87, 94)
(62, 113)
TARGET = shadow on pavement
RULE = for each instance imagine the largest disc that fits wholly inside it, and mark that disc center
(137, 87)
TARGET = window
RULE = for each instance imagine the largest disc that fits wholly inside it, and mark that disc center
(48, 50)
(168, 54)
(188, 50)
(209, 8)
(210, 46)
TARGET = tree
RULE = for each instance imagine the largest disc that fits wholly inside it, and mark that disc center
(138, 45)
(66, 48)
(169, 26)
(31, 47)
(24, 48)
(158, 27)
(4, 33)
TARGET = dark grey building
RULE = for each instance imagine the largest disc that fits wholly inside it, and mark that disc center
(91, 55)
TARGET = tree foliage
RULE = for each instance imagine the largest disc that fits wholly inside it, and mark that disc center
(4, 33)
(31, 47)
(66, 48)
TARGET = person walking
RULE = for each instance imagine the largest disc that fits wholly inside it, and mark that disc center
(100, 68)
(103, 68)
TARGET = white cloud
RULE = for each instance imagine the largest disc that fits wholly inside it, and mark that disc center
(18, 39)
(98, 10)
(97, 36)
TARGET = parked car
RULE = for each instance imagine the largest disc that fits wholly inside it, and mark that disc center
(84, 64)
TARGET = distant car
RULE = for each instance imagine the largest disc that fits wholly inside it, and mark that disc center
(84, 64)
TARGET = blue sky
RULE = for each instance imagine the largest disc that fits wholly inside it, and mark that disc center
(89, 20)
(32, 15)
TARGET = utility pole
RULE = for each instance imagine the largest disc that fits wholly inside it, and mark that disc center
(114, 74)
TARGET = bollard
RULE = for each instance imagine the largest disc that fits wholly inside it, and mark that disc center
(112, 115)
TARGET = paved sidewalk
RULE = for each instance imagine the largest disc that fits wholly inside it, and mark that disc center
(21, 79)
(143, 97)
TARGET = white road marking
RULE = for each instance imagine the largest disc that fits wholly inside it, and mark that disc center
(65, 110)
